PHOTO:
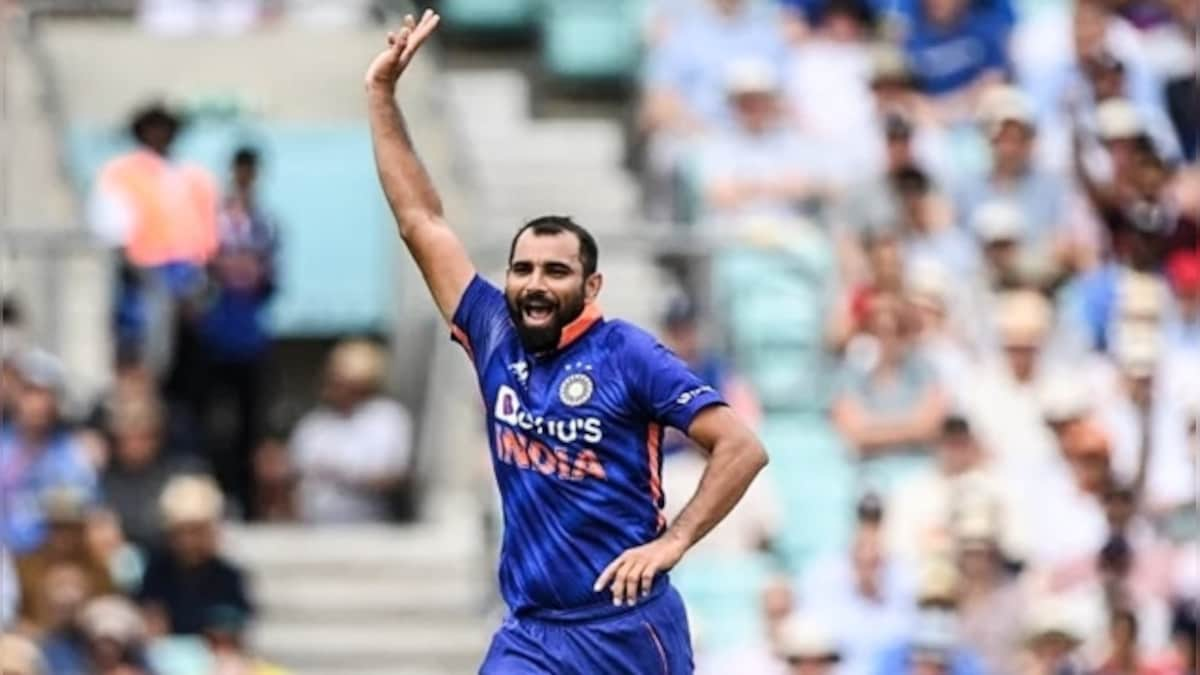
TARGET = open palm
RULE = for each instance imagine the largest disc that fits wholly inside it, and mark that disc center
(387, 67)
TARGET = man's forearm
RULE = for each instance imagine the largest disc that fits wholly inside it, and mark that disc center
(732, 465)
(406, 184)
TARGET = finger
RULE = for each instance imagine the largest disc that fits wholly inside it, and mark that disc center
(391, 38)
(648, 578)
(421, 33)
(618, 584)
(409, 21)
(607, 575)
(633, 578)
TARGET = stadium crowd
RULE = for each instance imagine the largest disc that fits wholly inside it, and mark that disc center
(1013, 197)
(111, 507)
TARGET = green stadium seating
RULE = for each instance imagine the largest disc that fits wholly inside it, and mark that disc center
(591, 40)
(489, 17)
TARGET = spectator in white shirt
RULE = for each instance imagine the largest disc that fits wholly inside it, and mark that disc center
(353, 451)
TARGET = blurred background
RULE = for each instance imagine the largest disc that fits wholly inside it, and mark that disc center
(943, 254)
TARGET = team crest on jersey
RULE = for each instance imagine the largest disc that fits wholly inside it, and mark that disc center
(576, 390)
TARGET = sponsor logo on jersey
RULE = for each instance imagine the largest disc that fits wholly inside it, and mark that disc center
(519, 449)
(571, 430)
(687, 396)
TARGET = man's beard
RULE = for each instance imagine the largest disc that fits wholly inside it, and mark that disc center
(540, 339)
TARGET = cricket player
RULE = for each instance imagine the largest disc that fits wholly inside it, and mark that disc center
(576, 407)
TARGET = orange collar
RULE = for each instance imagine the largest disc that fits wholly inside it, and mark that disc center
(574, 330)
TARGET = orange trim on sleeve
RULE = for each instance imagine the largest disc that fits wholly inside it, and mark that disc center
(653, 441)
(460, 336)
(572, 331)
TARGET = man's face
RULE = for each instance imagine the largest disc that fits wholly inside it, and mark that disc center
(1012, 146)
(755, 111)
(37, 409)
(545, 287)
(193, 543)
(944, 11)
(899, 151)
(1022, 358)
(244, 175)
(957, 452)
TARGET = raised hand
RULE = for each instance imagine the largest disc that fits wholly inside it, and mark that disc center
(402, 45)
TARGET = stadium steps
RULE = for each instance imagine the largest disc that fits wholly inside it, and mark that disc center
(525, 167)
(371, 598)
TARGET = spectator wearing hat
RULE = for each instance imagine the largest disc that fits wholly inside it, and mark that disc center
(139, 468)
(1053, 638)
(864, 595)
(990, 601)
(20, 656)
(923, 508)
(1014, 177)
(932, 644)
(808, 647)
(189, 577)
(760, 168)
(37, 453)
(685, 87)
(354, 452)
(888, 405)
(65, 544)
(1148, 421)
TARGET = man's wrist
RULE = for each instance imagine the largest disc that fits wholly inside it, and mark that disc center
(381, 90)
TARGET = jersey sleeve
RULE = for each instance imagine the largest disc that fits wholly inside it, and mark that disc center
(480, 320)
(663, 384)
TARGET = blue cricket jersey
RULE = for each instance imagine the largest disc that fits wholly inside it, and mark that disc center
(575, 438)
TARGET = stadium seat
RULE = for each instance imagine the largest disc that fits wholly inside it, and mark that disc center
(489, 17)
(591, 40)
(722, 595)
(338, 252)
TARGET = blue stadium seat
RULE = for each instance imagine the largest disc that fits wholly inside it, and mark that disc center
(590, 40)
(483, 17)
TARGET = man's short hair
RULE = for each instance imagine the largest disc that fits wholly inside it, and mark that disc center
(246, 156)
(589, 254)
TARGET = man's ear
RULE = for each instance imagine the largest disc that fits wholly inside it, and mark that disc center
(591, 287)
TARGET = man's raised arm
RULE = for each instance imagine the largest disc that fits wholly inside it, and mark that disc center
(414, 201)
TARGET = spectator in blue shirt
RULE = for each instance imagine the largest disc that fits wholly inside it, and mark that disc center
(955, 48)
(232, 327)
(37, 454)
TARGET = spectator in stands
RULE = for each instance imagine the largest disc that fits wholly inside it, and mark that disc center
(896, 94)
(956, 51)
(353, 453)
(684, 87)
(162, 213)
(990, 602)
(760, 169)
(923, 508)
(140, 468)
(760, 655)
(864, 596)
(871, 205)
(889, 406)
(65, 544)
(1013, 177)
(1176, 41)
(232, 329)
(20, 656)
(931, 644)
(37, 453)
(1053, 640)
(186, 580)
(1000, 227)
(65, 593)
(944, 335)
(826, 86)
(926, 226)
(108, 639)
(808, 647)
(1122, 657)
(1182, 331)
(133, 379)
(1003, 407)
(884, 277)
(224, 633)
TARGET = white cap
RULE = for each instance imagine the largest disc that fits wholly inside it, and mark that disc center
(1136, 348)
(1003, 103)
(1023, 318)
(1063, 397)
(1054, 616)
(928, 279)
(190, 499)
(805, 637)
(750, 76)
(114, 618)
(1118, 119)
(998, 221)
(359, 361)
